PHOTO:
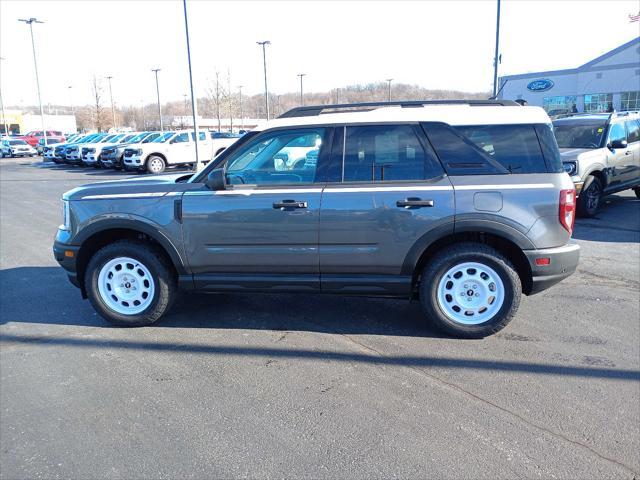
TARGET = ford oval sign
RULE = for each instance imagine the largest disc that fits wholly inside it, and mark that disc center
(540, 85)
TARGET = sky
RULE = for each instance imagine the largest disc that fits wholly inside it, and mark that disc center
(434, 44)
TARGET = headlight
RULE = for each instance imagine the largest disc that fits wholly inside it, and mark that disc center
(570, 167)
(139, 151)
(66, 216)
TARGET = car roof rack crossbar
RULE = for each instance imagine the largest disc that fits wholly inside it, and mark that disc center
(314, 110)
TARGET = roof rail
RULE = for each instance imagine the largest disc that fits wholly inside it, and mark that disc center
(314, 110)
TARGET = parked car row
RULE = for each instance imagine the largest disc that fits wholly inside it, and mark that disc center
(152, 152)
(15, 147)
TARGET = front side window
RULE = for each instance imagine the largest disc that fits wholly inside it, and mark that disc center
(201, 136)
(183, 137)
(281, 157)
(633, 131)
(598, 102)
(579, 133)
(383, 153)
(617, 132)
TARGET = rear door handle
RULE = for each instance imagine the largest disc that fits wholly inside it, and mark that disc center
(286, 204)
(414, 202)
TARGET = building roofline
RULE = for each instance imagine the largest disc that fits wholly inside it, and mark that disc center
(583, 67)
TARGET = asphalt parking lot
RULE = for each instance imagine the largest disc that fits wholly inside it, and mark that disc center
(299, 386)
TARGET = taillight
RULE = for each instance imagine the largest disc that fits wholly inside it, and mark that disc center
(567, 211)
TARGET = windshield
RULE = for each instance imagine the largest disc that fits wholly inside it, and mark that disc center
(164, 137)
(108, 138)
(579, 134)
(17, 142)
(126, 138)
(137, 139)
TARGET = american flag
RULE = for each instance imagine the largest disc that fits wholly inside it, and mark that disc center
(634, 18)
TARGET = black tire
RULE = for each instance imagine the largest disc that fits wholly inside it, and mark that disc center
(590, 198)
(448, 258)
(151, 163)
(164, 279)
(637, 191)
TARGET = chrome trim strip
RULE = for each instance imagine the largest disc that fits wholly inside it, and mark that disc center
(515, 186)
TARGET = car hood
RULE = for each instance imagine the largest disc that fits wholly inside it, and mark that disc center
(151, 186)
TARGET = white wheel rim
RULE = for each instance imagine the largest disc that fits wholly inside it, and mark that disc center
(126, 286)
(470, 293)
(155, 164)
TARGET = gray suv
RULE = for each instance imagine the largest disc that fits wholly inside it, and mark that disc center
(601, 153)
(463, 205)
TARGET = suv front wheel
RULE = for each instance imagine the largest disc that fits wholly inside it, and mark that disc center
(590, 197)
(155, 164)
(130, 284)
(470, 290)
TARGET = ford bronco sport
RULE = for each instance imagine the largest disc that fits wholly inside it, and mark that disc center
(463, 205)
(601, 152)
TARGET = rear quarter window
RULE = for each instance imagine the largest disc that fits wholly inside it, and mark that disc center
(492, 149)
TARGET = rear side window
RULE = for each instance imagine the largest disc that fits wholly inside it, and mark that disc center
(488, 149)
(459, 155)
(385, 153)
(550, 150)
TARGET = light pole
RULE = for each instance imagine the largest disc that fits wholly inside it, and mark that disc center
(264, 60)
(113, 110)
(301, 91)
(194, 108)
(496, 57)
(241, 113)
(389, 80)
(4, 117)
(30, 22)
(156, 70)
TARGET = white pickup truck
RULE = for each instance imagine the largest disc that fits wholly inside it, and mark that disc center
(173, 148)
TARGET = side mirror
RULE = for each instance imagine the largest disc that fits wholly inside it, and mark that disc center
(618, 144)
(216, 180)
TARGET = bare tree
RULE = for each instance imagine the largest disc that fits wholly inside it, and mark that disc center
(98, 110)
(216, 96)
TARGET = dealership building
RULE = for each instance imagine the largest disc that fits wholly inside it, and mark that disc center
(606, 83)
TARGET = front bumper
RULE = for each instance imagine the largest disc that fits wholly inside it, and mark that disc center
(132, 162)
(562, 262)
(66, 255)
(90, 158)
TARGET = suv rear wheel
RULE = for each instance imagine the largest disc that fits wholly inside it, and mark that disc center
(130, 284)
(155, 164)
(589, 199)
(470, 290)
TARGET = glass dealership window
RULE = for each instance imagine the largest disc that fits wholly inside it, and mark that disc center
(630, 101)
(559, 105)
(598, 102)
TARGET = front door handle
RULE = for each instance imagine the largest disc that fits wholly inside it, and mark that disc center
(414, 202)
(628, 153)
(286, 204)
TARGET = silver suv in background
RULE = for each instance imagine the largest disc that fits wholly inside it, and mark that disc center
(461, 204)
(601, 153)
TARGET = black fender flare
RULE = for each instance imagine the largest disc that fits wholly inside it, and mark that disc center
(138, 225)
(472, 223)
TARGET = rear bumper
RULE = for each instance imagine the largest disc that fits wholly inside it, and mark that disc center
(563, 261)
